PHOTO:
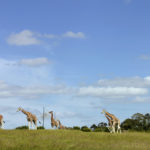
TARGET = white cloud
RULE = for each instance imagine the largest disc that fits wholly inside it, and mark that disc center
(71, 34)
(27, 82)
(118, 88)
(34, 62)
(111, 92)
(27, 37)
(31, 62)
(147, 79)
(142, 99)
(13, 72)
(4, 63)
(127, 82)
(23, 38)
(14, 91)
(50, 36)
(145, 57)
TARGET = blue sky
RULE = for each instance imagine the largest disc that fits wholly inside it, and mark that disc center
(74, 57)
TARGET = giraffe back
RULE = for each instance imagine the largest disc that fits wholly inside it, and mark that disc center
(32, 116)
(1, 117)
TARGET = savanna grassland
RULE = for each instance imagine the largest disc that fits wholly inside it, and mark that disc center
(72, 140)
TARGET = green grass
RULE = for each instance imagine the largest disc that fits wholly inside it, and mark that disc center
(72, 140)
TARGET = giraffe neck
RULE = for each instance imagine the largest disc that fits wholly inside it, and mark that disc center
(108, 114)
(108, 118)
(110, 121)
(25, 112)
(52, 119)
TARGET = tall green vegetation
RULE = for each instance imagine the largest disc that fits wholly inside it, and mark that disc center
(72, 140)
(137, 122)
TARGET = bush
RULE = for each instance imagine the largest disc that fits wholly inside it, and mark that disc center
(85, 129)
(26, 127)
(22, 127)
(40, 127)
(76, 128)
(101, 129)
(98, 130)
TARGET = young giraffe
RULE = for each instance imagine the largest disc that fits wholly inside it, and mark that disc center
(1, 122)
(61, 126)
(115, 121)
(110, 123)
(54, 123)
(31, 118)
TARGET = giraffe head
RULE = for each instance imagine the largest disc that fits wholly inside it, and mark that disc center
(103, 111)
(19, 109)
(51, 112)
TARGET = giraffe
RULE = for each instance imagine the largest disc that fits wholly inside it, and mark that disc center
(110, 123)
(54, 123)
(112, 119)
(1, 122)
(31, 118)
(61, 126)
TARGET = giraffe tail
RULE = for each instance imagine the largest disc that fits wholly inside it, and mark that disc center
(39, 121)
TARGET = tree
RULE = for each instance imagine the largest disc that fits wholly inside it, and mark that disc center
(93, 127)
(102, 124)
(129, 124)
(138, 116)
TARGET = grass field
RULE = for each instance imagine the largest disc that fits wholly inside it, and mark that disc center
(72, 140)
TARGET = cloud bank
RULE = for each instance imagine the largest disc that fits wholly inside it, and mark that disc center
(23, 38)
(34, 62)
(28, 37)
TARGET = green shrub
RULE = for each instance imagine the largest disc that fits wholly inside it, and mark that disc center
(76, 128)
(85, 129)
(40, 127)
(98, 130)
(22, 127)
(101, 129)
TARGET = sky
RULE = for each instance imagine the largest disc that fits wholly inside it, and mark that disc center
(75, 57)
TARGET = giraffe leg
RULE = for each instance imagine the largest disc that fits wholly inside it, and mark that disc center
(35, 125)
(113, 127)
(119, 128)
(2, 125)
(29, 125)
(110, 129)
